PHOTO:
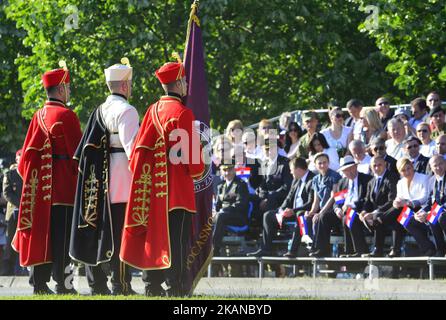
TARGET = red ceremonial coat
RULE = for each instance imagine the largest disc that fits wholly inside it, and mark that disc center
(160, 183)
(54, 130)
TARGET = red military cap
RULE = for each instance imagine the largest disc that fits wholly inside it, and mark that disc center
(55, 77)
(170, 72)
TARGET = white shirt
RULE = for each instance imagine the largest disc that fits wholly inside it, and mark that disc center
(340, 143)
(428, 150)
(332, 155)
(298, 202)
(122, 121)
(418, 192)
(293, 150)
(364, 165)
(352, 197)
(394, 149)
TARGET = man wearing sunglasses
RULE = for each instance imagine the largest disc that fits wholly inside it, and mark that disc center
(412, 151)
(382, 106)
(378, 148)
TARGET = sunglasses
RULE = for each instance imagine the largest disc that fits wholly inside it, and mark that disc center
(381, 148)
(413, 146)
(423, 130)
(383, 104)
(293, 130)
(433, 100)
(265, 128)
(339, 115)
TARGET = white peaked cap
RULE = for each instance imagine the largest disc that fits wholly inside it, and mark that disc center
(118, 72)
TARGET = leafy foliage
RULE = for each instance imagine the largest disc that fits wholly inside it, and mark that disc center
(412, 34)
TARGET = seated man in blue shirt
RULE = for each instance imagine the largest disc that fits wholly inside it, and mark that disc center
(322, 208)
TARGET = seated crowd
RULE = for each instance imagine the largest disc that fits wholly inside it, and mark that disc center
(380, 172)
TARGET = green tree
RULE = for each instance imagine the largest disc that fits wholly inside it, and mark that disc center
(263, 57)
(412, 34)
(12, 125)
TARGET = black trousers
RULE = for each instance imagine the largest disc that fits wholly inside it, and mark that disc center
(355, 237)
(60, 226)
(438, 230)
(180, 222)
(420, 232)
(389, 224)
(11, 257)
(225, 217)
(120, 272)
(322, 232)
(270, 227)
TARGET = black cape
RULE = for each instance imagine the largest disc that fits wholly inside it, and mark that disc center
(91, 229)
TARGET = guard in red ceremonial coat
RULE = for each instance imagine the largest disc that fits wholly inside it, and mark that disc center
(49, 182)
(165, 159)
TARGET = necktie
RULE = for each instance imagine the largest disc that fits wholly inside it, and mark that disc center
(377, 184)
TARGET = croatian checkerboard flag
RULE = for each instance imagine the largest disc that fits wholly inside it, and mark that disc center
(350, 217)
(340, 196)
(405, 216)
(243, 173)
(435, 213)
(302, 225)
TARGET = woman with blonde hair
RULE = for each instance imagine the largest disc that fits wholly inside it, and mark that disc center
(371, 126)
(234, 131)
(412, 191)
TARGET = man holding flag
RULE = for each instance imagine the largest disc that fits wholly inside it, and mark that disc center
(356, 185)
(433, 212)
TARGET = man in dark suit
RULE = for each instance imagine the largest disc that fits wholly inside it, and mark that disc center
(298, 200)
(232, 204)
(378, 148)
(412, 149)
(355, 183)
(438, 196)
(381, 191)
(277, 179)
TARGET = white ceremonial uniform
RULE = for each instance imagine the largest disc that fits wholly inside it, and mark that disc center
(122, 121)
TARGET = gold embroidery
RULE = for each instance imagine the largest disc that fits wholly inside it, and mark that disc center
(47, 166)
(140, 213)
(160, 154)
(160, 164)
(160, 184)
(46, 156)
(159, 144)
(160, 174)
(47, 197)
(161, 194)
(91, 198)
(46, 187)
(26, 221)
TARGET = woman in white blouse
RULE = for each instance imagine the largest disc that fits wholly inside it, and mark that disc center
(427, 148)
(413, 191)
(337, 135)
(294, 132)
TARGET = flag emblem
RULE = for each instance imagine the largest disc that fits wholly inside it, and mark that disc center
(435, 213)
(405, 216)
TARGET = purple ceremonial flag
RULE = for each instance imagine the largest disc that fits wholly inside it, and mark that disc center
(199, 251)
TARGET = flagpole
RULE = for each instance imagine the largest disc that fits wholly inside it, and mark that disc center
(192, 18)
